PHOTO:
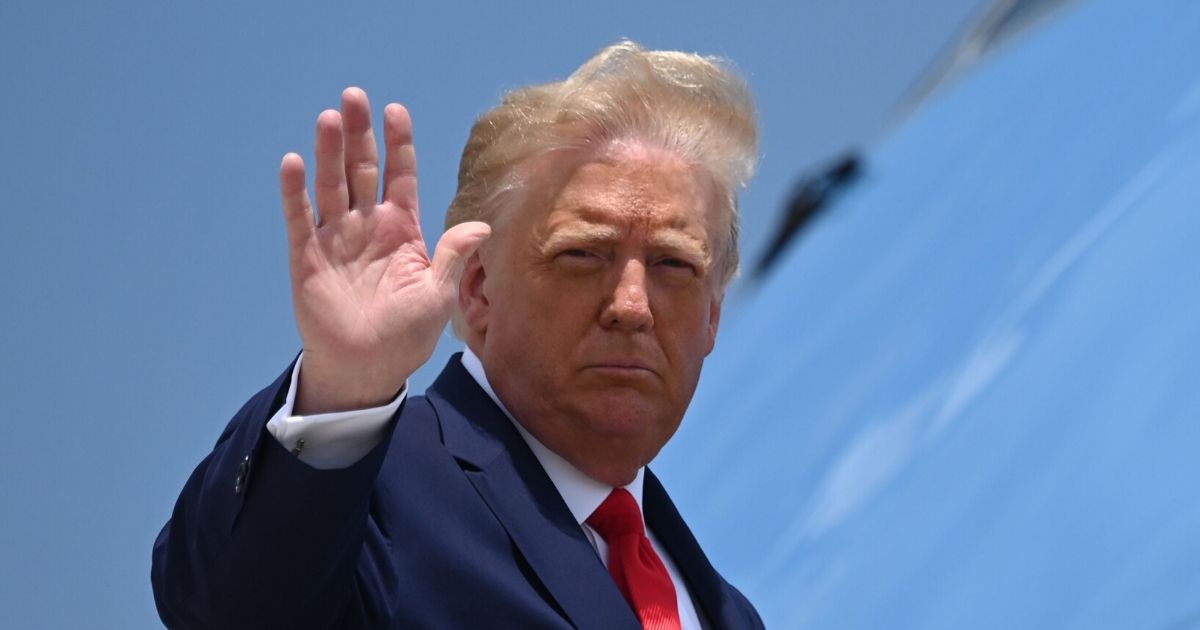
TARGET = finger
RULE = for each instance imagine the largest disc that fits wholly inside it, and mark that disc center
(362, 158)
(297, 211)
(330, 182)
(400, 167)
(454, 248)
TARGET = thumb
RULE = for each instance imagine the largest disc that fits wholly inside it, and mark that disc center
(454, 248)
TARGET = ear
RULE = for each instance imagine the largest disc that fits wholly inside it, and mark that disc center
(714, 320)
(473, 302)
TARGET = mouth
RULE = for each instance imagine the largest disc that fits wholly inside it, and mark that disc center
(622, 368)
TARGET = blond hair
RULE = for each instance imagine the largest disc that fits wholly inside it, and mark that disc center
(691, 105)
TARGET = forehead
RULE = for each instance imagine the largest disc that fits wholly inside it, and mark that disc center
(635, 185)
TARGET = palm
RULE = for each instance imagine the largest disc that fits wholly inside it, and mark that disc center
(370, 303)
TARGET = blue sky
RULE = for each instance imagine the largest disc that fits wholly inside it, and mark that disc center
(145, 282)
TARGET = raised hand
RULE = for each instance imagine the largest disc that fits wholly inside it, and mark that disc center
(370, 303)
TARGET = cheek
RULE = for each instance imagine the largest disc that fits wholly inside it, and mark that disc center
(548, 314)
(685, 303)
(557, 294)
(687, 324)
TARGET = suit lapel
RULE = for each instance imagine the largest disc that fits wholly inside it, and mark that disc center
(705, 583)
(511, 481)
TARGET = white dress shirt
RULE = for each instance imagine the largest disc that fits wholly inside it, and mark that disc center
(337, 440)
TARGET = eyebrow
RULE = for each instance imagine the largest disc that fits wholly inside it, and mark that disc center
(679, 241)
(597, 234)
(587, 234)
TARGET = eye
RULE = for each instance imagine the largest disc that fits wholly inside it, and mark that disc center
(671, 263)
(578, 258)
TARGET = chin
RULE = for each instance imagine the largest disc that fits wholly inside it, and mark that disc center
(631, 416)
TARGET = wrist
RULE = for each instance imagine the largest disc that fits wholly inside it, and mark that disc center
(322, 389)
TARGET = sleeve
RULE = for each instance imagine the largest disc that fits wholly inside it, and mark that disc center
(259, 538)
(330, 440)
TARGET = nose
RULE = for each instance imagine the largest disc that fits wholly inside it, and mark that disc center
(629, 305)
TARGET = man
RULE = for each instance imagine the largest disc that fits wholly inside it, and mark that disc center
(512, 494)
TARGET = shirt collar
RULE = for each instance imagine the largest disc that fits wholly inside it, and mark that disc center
(581, 493)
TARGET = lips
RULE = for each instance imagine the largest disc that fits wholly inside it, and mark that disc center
(621, 356)
(622, 368)
(622, 362)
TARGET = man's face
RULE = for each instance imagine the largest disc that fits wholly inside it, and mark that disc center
(597, 306)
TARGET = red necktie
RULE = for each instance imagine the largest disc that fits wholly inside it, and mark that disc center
(637, 570)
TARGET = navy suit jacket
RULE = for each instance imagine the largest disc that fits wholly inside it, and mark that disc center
(450, 522)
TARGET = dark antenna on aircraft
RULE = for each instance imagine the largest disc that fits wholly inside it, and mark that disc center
(812, 196)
